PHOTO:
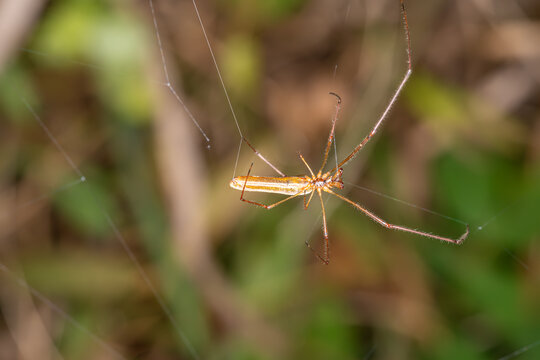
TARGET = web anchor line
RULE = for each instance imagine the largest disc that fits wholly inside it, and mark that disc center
(17, 279)
(120, 239)
(222, 82)
(408, 204)
(168, 83)
(520, 351)
(492, 218)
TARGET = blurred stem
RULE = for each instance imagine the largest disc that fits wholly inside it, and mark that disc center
(182, 172)
(16, 19)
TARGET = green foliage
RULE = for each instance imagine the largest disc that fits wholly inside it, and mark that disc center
(90, 218)
(241, 65)
(89, 69)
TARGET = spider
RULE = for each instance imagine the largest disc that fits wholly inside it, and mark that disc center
(295, 186)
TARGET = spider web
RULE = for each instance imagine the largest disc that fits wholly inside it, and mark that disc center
(74, 163)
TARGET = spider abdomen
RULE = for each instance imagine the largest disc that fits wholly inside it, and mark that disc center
(287, 185)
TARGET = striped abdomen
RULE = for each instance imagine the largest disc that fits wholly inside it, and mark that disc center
(289, 185)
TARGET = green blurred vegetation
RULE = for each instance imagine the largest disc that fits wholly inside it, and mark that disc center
(457, 143)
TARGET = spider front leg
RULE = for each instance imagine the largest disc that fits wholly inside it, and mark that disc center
(394, 98)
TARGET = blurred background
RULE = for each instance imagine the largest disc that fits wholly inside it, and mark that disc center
(234, 281)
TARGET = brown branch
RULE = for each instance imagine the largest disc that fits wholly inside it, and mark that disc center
(16, 19)
(184, 179)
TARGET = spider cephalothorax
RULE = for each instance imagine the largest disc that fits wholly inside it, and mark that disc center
(327, 181)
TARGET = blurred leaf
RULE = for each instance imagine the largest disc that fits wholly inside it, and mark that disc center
(187, 305)
(112, 43)
(467, 187)
(512, 223)
(490, 293)
(241, 64)
(326, 335)
(86, 205)
(276, 9)
(434, 101)
(486, 190)
(118, 43)
(14, 88)
(457, 348)
(127, 96)
(238, 350)
(121, 49)
(68, 30)
(263, 12)
(76, 344)
(80, 275)
(267, 262)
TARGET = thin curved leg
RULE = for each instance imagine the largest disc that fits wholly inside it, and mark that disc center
(325, 258)
(402, 228)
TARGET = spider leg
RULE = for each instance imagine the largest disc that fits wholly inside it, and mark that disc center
(325, 258)
(332, 130)
(313, 175)
(305, 163)
(401, 228)
(394, 97)
(262, 157)
(263, 205)
(309, 200)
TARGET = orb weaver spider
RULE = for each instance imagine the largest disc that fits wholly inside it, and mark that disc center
(295, 186)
